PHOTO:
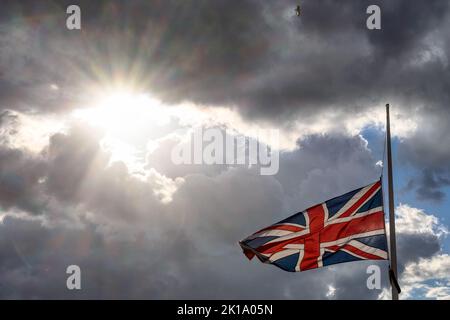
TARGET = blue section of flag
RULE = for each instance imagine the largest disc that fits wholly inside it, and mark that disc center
(337, 257)
(287, 263)
(378, 242)
(374, 202)
(298, 218)
(335, 204)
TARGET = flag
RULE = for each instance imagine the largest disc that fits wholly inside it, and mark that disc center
(347, 228)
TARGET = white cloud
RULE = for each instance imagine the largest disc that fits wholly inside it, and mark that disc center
(439, 293)
(29, 132)
(331, 292)
(413, 220)
(163, 187)
(436, 267)
(427, 277)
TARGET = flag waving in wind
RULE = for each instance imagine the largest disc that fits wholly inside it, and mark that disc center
(346, 228)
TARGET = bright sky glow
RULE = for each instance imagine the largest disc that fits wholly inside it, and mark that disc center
(124, 113)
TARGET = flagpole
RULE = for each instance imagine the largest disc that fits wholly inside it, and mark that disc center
(393, 245)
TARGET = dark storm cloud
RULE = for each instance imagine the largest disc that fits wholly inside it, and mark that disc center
(313, 169)
(412, 246)
(128, 269)
(72, 158)
(254, 56)
(19, 180)
(335, 61)
(427, 151)
(20, 171)
(249, 54)
(131, 246)
(429, 183)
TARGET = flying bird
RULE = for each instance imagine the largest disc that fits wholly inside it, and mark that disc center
(297, 11)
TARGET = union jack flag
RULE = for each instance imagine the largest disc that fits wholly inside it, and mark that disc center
(347, 228)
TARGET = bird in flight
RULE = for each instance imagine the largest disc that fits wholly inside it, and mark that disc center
(297, 11)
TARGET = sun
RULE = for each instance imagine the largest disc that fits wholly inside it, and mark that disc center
(122, 113)
(128, 121)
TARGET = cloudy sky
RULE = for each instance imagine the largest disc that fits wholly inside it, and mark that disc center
(88, 119)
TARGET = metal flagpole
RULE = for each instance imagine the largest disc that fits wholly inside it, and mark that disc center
(393, 245)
